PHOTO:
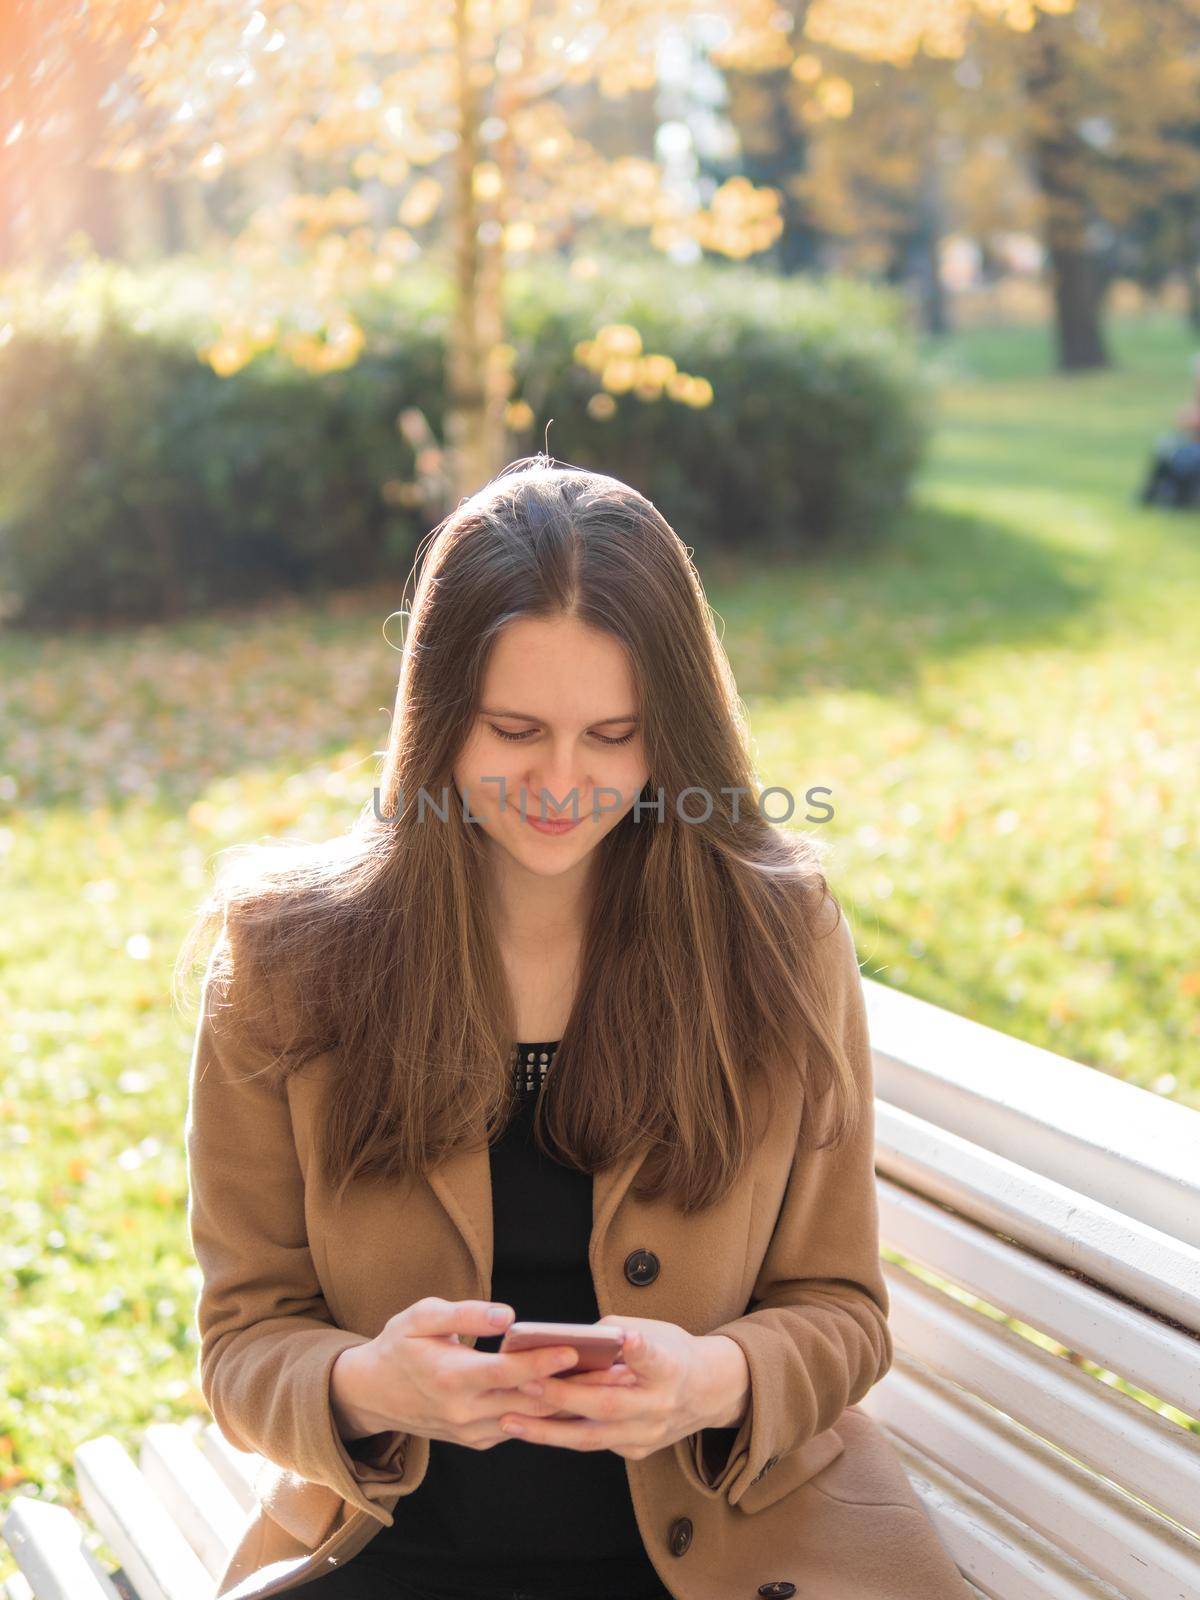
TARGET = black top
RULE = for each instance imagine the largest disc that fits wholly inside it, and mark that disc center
(539, 1519)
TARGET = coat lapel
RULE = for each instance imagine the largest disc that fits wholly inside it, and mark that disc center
(463, 1184)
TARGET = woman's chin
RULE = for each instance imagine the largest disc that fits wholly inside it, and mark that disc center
(546, 854)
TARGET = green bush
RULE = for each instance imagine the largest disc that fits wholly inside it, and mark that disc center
(820, 411)
(135, 482)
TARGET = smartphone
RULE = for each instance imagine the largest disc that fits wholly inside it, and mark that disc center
(596, 1348)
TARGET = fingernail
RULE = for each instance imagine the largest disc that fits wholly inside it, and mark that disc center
(498, 1314)
(532, 1387)
(513, 1427)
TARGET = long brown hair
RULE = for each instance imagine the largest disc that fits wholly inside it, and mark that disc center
(698, 982)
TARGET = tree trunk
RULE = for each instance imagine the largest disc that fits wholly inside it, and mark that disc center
(935, 318)
(774, 151)
(1059, 161)
(1076, 308)
(469, 462)
(1186, 237)
(1191, 278)
(93, 68)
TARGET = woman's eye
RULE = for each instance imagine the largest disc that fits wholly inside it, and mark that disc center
(528, 733)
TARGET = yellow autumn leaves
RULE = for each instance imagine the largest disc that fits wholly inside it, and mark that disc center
(616, 355)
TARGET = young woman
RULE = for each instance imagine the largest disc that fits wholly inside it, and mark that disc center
(563, 1028)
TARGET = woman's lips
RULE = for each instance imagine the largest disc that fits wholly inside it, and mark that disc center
(551, 826)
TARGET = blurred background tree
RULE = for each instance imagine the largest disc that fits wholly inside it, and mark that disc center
(335, 152)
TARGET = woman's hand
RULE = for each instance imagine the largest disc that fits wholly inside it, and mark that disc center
(416, 1376)
(682, 1384)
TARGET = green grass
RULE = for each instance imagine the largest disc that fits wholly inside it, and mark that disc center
(1005, 702)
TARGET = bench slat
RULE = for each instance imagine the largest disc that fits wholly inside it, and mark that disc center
(1107, 1531)
(1063, 1225)
(136, 1525)
(999, 1556)
(200, 1505)
(47, 1545)
(1110, 1432)
(236, 1469)
(1119, 1337)
(1085, 1129)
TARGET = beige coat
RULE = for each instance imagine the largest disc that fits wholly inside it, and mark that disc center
(812, 1499)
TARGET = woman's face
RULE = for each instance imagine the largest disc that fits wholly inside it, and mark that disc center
(558, 712)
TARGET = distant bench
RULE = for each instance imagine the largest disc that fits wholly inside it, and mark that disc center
(1060, 1196)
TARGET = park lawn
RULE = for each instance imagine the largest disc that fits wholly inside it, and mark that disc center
(1004, 703)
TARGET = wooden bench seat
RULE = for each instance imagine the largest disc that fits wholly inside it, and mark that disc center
(1068, 1202)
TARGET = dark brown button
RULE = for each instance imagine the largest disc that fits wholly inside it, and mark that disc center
(679, 1536)
(777, 1591)
(641, 1266)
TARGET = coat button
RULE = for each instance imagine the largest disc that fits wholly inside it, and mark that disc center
(777, 1591)
(641, 1266)
(679, 1537)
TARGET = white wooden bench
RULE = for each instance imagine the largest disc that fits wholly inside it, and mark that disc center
(1062, 1198)
(170, 1518)
(1069, 1202)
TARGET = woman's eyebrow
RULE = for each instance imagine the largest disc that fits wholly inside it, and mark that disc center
(528, 716)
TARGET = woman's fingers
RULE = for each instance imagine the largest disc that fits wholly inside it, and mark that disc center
(578, 1431)
(602, 1402)
(506, 1370)
(618, 1374)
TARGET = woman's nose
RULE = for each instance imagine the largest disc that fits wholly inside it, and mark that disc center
(564, 782)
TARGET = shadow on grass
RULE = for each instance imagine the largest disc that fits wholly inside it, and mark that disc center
(946, 583)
